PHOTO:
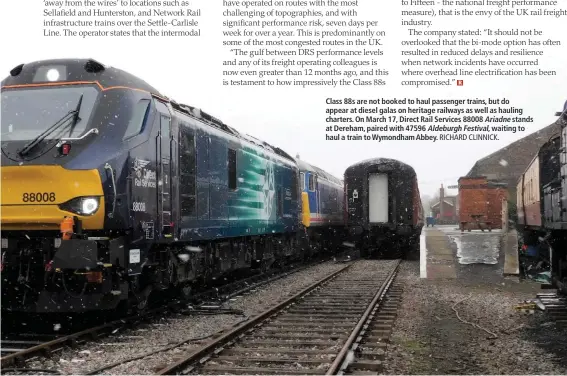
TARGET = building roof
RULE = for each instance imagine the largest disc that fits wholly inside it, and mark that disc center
(445, 201)
(508, 163)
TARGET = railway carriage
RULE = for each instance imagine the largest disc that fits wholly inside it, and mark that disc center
(542, 201)
(384, 210)
(112, 192)
(540, 175)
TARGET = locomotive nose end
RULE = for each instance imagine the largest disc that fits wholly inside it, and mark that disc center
(40, 197)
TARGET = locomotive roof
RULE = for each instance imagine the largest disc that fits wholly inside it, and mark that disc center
(75, 71)
(217, 123)
(373, 162)
(85, 71)
(304, 166)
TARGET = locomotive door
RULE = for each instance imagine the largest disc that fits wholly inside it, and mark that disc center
(164, 171)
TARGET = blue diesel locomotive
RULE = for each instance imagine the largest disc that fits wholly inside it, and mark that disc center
(112, 192)
(323, 207)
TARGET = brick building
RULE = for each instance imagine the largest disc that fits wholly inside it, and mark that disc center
(445, 210)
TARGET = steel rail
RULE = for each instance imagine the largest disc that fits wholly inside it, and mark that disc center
(210, 347)
(341, 361)
(72, 339)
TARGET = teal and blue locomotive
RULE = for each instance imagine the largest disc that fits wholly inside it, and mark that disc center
(112, 192)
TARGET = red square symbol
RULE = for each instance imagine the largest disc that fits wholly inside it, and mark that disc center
(460, 82)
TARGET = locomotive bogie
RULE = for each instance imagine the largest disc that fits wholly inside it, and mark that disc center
(43, 273)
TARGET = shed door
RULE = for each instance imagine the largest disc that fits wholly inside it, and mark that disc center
(378, 198)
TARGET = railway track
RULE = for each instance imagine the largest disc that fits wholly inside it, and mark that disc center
(20, 352)
(17, 348)
(245, 285)
(555, 306)
(368, 351)
(11, 344)
(317, 331)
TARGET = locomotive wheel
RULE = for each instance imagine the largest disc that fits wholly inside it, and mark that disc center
(139, 302)
(185, 292)
(142, 305)
(119, 312)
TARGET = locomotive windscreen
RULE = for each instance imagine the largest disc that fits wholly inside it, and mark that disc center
(26, 113)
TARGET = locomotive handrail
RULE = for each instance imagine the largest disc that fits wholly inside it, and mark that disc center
(107, 166)
(66, 139)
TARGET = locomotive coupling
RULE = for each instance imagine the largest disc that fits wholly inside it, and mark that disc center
(76, 254)
(67, 228)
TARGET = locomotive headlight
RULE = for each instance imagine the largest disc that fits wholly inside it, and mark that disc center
(81, 205)
(89, 205)
(52, 74)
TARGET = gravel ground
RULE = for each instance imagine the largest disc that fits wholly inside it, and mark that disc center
(428, 338)
(175, 329)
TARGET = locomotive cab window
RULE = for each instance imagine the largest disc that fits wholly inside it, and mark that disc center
(28, 112)
(294, 187)
(302, 181)
(138, 119)
(187, 171)
(165, 128)
(232, 169)
(311, 182)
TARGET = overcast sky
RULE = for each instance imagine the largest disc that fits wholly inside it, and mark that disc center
(189, 71)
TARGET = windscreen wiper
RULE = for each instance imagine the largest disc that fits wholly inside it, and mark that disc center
(36, 141)
(76, 116)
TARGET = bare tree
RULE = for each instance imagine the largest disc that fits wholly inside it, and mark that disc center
(434, 199)
(426, 202)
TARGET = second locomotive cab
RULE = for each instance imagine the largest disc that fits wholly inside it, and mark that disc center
(322, 207)
(384, 210)
(112, 192)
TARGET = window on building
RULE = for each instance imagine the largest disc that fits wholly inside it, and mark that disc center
(138, 119)
(187, 187)
(232, 169)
